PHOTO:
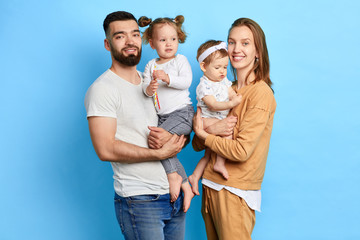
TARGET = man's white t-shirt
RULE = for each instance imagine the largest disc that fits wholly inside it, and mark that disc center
(114, 97)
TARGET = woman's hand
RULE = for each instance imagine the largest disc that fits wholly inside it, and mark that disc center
(223, 127)
(198, 125)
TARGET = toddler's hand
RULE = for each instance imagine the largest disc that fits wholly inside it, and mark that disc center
(236, 99)
(153, 86)
(161, 75)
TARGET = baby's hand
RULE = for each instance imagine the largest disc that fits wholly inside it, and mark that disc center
(161, 75)
(235, 100)
(153, 86)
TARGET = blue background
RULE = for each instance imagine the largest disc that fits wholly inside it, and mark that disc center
(52, 184)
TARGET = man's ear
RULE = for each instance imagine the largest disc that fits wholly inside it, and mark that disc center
(202, 67)
(106, 44)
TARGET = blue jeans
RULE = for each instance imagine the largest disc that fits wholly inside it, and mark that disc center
(150, 217)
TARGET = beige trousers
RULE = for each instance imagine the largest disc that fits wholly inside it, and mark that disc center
(226, 216)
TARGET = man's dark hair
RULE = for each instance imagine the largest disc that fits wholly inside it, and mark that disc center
(117, 16)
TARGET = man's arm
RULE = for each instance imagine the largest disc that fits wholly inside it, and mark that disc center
(102, 132)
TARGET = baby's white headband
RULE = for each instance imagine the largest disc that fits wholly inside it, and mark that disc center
(210, 50)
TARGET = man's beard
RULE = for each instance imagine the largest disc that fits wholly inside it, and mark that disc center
(131, 60)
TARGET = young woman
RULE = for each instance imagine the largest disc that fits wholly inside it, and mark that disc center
(228, 205)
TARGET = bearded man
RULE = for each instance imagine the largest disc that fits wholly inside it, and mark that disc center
(119, 117)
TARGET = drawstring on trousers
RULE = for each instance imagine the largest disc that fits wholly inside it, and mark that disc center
(206, 199)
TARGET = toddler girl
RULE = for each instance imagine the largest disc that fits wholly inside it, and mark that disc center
(215, 97)
(167, 79)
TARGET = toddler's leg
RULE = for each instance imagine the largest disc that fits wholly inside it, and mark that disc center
(175, 180)
(185, 187)
(178, 122)
(188, 195)
(198, 172)
(219, 165)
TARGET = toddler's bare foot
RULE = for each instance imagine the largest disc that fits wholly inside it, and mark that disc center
(220, 168)
(188, 195)
(175, 181)
(194, 184)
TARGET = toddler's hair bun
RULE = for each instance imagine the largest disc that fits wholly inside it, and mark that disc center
(179, 19)
(144, 21)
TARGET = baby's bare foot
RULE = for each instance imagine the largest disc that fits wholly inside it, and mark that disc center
(175, 181)
(188, 195)
(220, 168)
(194, 184)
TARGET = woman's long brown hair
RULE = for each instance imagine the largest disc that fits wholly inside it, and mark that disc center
(262, 64)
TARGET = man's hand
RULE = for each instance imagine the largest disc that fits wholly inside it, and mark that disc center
(158, 137)
(172, 147)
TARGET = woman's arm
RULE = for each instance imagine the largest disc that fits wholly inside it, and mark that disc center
(223, 128)
(250, 130)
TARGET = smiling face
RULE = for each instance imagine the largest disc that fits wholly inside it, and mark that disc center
(216, 70)
(241, 48)
(165, 40)
(124, 42)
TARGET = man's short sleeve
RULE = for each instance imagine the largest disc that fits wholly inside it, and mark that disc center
(100, 100)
